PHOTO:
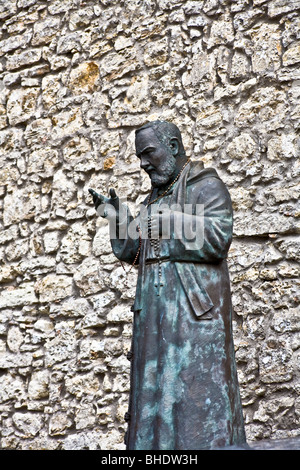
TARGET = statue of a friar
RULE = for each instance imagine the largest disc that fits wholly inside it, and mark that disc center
(184, 392)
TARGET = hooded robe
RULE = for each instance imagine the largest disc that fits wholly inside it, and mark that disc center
(184, 392)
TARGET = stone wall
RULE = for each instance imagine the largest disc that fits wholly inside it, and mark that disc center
(76, 78)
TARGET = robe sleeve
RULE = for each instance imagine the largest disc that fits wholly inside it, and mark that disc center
(210, 220)
(124, 239)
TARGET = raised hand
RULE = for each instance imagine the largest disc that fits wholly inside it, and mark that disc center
(106, 207)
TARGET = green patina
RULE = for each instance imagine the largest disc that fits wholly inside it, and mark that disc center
(184, 391)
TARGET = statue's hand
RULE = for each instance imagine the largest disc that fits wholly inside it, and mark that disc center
(107, 208)
(97, 198)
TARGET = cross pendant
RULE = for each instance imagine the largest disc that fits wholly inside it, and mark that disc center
(158, 286)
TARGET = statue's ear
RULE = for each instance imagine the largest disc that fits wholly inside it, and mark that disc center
(174, 146)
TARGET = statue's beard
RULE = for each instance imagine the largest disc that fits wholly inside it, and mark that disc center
(164, 174)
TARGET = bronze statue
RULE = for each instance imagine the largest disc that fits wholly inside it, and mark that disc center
(184, 390)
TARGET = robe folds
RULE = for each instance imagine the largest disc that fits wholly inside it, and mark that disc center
(184, 392)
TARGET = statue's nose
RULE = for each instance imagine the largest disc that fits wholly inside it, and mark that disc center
(145, 165)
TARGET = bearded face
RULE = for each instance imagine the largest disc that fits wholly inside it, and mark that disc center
(156, 158)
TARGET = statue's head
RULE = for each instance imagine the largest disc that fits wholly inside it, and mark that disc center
(161, 152)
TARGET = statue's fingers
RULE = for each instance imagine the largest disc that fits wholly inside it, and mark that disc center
(112, 193)
(94, 194)
(97, 198)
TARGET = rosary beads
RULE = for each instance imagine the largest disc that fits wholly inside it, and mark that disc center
(154, 242)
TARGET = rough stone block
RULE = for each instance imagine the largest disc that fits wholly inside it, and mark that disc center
(21, 105)
(19, 59)
(279, 7)
(53, 287)
(292, 55)
(20, 205)
(46, 30)
(18, 296)
(83, 79)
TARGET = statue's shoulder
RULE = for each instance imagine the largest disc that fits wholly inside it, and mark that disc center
(198, 172)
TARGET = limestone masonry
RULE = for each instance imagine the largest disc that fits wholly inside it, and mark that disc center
(76, 79)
